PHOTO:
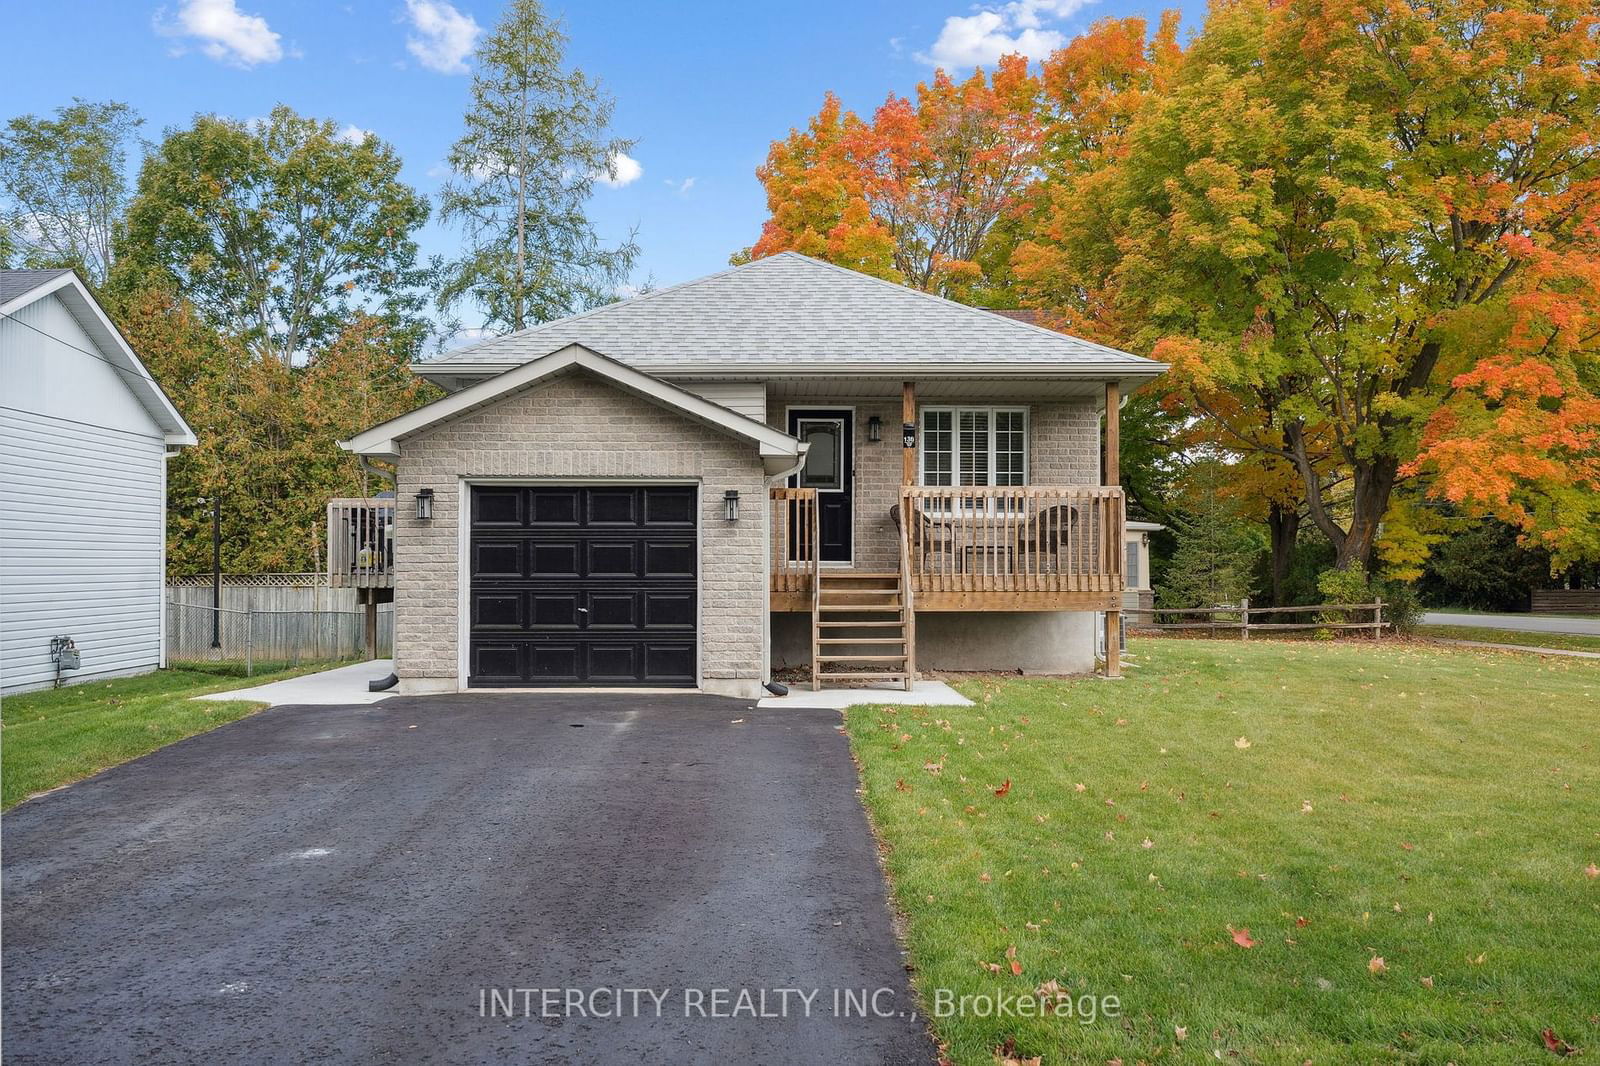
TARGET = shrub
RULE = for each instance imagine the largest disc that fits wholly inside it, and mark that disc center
(1402, 606)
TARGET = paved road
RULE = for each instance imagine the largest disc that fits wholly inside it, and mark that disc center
(1523, 623)
(342, 883)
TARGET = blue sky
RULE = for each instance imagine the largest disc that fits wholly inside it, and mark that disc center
(703, 87)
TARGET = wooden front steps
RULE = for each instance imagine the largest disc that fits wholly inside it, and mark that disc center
(860, 620)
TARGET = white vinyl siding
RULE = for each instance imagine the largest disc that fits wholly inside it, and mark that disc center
(80, 548)
(82, 487)
(974, 446)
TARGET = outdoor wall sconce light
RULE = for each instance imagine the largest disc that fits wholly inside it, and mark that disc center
(874, 429)
(425, 505)
(730, 505)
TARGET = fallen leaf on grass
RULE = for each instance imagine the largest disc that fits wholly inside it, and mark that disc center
(1377, 965)
(1302, 922)
(1080, 787)
(901, 786)
(1016, 967)
(1242, 743)
(1305, 806)
(1181, 1032)
(1147, 843)
(933, 767)
(1557, 1046)
(1242, 937)
(1003, 789)
(1591, 871)
(1427, 982)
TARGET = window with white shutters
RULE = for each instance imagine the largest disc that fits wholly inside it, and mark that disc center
(974, 446)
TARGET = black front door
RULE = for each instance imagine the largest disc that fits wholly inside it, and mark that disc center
(830, 469)
(583, 585)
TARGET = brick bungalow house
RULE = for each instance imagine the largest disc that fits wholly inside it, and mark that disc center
(786, 463)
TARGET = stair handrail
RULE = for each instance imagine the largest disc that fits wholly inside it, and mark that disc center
(814, 524)
(906, 605)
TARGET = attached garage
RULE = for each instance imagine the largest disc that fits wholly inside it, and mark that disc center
(589, 525)
(583, 585)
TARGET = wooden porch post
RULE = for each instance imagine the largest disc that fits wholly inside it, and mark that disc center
(908, 417)
(1112, 476)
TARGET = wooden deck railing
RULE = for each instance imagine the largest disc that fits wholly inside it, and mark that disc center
(361, 543)
(794, 540)
(1029, 539)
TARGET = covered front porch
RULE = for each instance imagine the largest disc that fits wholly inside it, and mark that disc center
(921, 549)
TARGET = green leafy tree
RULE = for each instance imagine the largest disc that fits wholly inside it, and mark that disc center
(1484, 566)
(1217, 549)
(279, 233)
(534, 145)
(63, 186)
(1380, 219)
(268, 432)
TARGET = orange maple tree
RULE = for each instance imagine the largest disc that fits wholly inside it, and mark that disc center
(914, 195)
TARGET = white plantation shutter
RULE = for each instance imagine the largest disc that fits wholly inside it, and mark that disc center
(975, 446)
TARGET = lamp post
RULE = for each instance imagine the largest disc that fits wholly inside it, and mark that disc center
(216, 567)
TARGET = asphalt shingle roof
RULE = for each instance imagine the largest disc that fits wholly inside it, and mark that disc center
(14, 283)
(790, 309)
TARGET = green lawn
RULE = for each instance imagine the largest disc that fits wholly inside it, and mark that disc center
(1566, 641)
(1435, 808)
(66, 734)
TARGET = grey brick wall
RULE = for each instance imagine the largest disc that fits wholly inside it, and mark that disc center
(579, 427)
(1063, 449)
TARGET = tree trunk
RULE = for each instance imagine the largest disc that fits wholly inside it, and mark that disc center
(1374, 484)
(1283, 526)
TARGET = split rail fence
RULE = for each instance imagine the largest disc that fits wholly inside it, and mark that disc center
(1237, 618)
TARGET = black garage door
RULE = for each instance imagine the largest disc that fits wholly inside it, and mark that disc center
(591, 585)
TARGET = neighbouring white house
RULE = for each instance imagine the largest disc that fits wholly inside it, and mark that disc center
(85, 433)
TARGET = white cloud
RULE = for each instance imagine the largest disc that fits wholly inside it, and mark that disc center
(225, 33)
(625, 170)
(980, 39)
(353, 134)
(680, 187)
(445, 37)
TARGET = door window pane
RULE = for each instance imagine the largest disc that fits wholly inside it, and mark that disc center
(822, 469)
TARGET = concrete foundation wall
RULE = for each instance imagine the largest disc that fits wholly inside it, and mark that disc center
(1033, 642)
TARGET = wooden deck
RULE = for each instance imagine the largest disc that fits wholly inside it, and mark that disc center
(361, 543)
(1031, 548)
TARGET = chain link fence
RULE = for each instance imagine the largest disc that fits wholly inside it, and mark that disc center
(249, 642)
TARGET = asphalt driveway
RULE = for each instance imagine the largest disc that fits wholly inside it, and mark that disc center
(404, 881)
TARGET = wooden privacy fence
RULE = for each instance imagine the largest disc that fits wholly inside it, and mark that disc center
(1237, 618)
(1566, 601)
(197, 633)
